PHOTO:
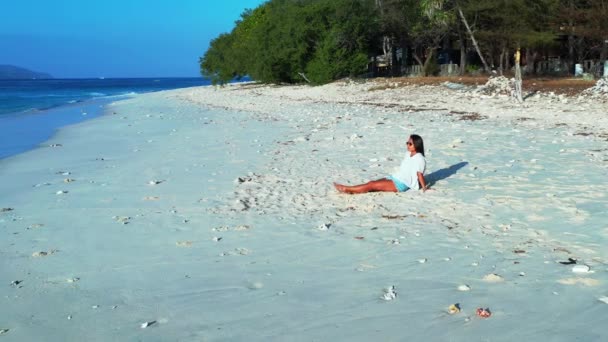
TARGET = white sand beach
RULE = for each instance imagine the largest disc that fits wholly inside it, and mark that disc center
(208, 214)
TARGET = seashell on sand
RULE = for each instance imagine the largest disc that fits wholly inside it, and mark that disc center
(390, 293)
(581, 269)
(147, 324)
(464, 288)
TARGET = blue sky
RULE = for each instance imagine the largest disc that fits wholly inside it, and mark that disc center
(114, 38)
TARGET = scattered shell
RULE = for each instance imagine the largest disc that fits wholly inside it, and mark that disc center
(242, 251)
(395, 242)
(603, 299)
(324, 226)
(155, 182)
(39, 254)
(484, 313)
(389, 293)
(4, 331)
(522, 274)
(581, 269)
(221, 229)
(454, 309)
(61, 192)
(447, 259)
(422, 261)
(217, 239)
(73, 280)
(147, 324)
(184, 243)
(151, 198)
(69, 180)
(36, 225)
(122, 219)
(16, 282)
(55, 145)
(95, 307)
(464, 288)
(242, 228)
(493, 278)
(69, 317)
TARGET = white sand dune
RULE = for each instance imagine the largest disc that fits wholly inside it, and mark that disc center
(199, 210)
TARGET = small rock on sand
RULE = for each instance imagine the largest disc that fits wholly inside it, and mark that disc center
(464, 288)
(43, 253)
(493, 278)
(4, 210)
(184, 244)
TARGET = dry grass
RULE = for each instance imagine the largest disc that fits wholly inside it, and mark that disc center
(567, 86)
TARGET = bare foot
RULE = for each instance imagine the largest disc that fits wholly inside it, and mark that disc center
(341, 188)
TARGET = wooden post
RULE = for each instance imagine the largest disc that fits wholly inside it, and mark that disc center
(518, 79)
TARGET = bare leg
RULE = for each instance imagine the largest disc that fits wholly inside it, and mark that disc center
(385, 185)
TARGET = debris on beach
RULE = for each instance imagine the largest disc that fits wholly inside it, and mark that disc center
(464, 288)
(603, 299)
(61, 192)
(147, 324)
(43, 253)
(185, 244)
(35, 226)
(4, 331)
(390, 293)
(324, 226)
(5, 210)
(581, 269)
(493, 278)
(600, 88)
(122, 219)
(69, 180)
(497, 86)
(155, 182)
(484, 313)
(55, 145)
(217, 239)
(454, 309)
(422, 261)
(72, 280)
(570, 261)
(16, 282)
(151, 198)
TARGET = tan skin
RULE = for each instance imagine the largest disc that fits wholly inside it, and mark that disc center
(381, 185)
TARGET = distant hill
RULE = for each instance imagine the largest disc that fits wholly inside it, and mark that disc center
(11, 72)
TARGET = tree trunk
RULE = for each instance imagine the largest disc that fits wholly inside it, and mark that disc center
(463, 50)
(429, 57)
(507, 61)
(501, 64)
(603, 56)
(518, 79)
(466, 25)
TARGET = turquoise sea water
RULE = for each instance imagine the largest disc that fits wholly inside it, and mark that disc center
(31, 110)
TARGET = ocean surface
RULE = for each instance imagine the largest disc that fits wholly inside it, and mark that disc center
(31, 110)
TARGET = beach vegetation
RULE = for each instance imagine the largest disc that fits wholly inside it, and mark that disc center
(318, 41)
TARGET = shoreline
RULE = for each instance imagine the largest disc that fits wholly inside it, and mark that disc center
(221, 198)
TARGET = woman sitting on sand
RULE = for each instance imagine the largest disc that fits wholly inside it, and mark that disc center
(410, 175)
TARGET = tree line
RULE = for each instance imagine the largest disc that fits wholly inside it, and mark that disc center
(317, 41)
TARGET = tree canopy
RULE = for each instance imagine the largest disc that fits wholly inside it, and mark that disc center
(317, 41)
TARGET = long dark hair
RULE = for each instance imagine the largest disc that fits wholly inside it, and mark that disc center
(418, 143)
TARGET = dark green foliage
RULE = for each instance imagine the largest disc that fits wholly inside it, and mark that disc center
(282, 39)
(287, 41)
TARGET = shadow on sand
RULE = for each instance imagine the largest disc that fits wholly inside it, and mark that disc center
(444, 173)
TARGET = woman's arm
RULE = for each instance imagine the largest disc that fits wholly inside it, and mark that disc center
(422, 181)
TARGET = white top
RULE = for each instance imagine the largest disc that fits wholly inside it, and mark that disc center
(408, 171)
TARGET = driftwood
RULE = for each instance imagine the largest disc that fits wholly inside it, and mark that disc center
(304, 77)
